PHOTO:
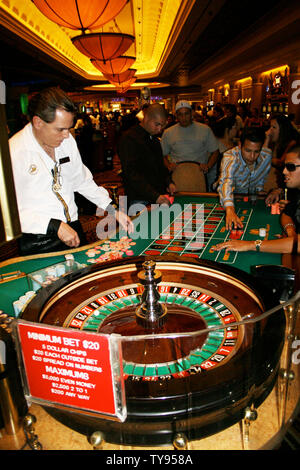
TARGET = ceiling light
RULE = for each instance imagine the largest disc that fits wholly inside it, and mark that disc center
(120, 77)
(103, 46)
(114, 66)
(125, 85)
(80, 14)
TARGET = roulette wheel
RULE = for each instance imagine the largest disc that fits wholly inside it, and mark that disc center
(197, 349)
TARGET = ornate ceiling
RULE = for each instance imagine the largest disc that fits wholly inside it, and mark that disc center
(153, 23)
(178, 43)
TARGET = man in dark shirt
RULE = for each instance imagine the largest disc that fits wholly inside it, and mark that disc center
(146, 179)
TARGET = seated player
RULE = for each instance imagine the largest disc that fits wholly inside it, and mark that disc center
(244, 169)
(146, 179)
(290, 216)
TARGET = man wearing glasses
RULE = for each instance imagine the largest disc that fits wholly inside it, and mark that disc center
(290, 215)
(48, 170)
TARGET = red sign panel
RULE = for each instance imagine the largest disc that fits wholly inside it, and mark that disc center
(72, 368)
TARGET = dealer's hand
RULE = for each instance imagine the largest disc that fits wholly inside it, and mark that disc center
(125, 221)
(68, 235)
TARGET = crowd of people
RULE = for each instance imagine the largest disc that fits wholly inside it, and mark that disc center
(234, 153)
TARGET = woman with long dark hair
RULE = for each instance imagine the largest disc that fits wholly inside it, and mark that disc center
(280, 137)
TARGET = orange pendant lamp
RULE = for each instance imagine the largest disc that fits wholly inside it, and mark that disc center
(103, 46)
(80, 14)
(120, 78)
(125, 85)
(114, 66)
(120, 91)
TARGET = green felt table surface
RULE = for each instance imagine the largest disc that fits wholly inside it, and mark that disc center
(199, 224)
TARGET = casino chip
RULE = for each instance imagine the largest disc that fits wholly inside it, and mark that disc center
(111, 250)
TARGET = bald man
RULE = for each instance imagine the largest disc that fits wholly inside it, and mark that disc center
(146, 179)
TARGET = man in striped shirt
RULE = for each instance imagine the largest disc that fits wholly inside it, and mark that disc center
(244, 170)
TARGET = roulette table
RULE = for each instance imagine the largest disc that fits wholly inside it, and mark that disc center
(211, 230)
(192, 366)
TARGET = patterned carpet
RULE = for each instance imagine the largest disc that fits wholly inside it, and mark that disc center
(112, 181)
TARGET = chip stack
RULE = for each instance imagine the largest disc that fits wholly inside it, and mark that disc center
(111, 250)
(22, 302)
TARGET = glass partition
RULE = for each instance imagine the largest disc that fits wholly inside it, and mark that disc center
(225, 387)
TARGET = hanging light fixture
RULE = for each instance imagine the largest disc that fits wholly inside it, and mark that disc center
(119, 78)
(120, 91)
(125, 86)
(89, 15)
(103, 46)
(80, 14)
(114, 66)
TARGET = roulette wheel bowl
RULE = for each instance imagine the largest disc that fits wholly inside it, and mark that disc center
(198, 371)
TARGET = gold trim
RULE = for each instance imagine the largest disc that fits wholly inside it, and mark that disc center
(9, 225)
(21, 259)
(160, 265)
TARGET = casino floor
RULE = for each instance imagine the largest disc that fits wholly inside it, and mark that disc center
(48, 434)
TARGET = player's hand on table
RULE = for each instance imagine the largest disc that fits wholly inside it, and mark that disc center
(68, 235)
(232, 220)
(234, 245)
(125, 221)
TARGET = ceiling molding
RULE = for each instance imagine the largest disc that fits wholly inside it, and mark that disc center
(196, 42)
(266, 48)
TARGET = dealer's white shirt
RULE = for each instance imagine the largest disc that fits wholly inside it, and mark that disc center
(37, 203)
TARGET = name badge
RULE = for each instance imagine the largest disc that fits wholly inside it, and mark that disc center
(64, 160)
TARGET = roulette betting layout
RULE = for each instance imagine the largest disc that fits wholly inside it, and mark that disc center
(193, 235)
(191, 228)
